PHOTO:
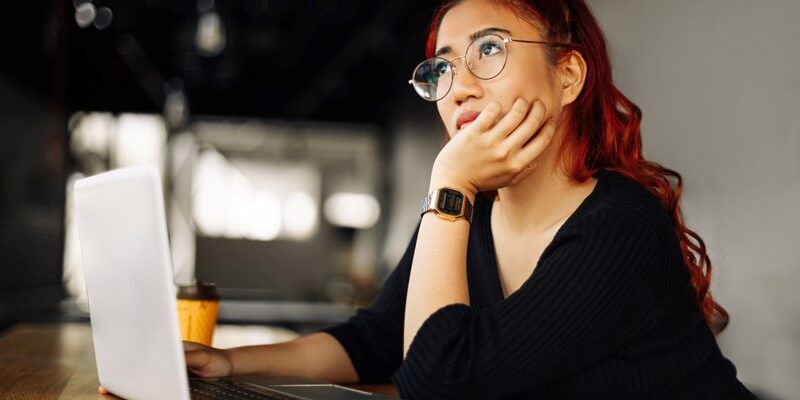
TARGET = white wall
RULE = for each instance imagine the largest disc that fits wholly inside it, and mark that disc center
(718, 82)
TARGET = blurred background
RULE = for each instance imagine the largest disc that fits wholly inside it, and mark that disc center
(294, 154)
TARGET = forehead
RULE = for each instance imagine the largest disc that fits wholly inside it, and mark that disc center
(473, 15)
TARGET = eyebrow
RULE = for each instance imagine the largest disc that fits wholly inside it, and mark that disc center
(473, 36)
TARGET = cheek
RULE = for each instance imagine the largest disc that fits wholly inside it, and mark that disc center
(527, 78)
(511, 87)
(445, 114)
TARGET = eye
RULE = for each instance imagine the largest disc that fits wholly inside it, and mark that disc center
(489, 47)
(442, 68)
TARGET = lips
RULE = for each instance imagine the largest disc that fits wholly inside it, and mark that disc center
(465, 118)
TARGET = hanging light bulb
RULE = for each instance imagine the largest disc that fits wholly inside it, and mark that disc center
(103, 18)
(209, 38)
(85, 14)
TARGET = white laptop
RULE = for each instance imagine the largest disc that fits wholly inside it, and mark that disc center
(129, 283)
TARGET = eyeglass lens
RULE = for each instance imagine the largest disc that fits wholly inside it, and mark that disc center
(485, 58)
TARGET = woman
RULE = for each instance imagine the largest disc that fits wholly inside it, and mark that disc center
(573, 277)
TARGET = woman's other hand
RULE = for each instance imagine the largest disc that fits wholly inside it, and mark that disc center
(201, 360)
(486, 156)
(205, 361)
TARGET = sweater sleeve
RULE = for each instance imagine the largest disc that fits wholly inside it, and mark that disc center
(373, 337)
(587, 297)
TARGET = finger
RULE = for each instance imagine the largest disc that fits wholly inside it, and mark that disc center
(195, 372)
(527, 171)
(534, 148)
(196, 359)
(192, 346)
(102, 390)
(528, 127)
(519, 110)
(486, 118)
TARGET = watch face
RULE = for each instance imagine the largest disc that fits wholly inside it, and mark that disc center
(450, 201)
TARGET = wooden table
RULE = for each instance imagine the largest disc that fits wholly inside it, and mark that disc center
(56, 361)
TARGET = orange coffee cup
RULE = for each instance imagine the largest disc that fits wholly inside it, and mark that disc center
(197, 311)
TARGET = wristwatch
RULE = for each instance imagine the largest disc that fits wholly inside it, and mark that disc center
(449, 204)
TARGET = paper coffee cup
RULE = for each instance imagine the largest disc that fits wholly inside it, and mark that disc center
(197, 311)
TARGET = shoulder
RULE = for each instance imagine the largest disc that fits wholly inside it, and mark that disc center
(624, 210)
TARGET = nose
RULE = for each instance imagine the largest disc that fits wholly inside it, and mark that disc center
(465, 84)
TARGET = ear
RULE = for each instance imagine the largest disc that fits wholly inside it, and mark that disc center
(572, 72)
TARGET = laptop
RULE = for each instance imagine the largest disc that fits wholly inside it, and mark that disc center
(131, 293)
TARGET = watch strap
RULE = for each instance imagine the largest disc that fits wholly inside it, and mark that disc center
(426, 204)
(468, 210)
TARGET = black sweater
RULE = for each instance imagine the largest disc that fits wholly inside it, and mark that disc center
(609, 312)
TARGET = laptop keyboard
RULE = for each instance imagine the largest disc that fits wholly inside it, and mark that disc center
(201, 389)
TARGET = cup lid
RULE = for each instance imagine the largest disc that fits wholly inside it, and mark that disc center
(199, 291)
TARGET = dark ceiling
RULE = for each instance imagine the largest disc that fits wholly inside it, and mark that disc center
(331, 60)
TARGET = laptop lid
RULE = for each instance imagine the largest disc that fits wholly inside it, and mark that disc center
(129, 283)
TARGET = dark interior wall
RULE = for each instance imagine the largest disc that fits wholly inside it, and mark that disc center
(31, 205)
(31, 161)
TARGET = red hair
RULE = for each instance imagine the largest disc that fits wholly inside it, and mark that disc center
(604, 127)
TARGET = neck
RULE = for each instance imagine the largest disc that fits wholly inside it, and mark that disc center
(542, 200)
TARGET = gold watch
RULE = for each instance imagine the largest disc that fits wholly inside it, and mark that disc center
(449, 204)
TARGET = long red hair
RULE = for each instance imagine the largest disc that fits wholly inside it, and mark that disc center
(604, 127)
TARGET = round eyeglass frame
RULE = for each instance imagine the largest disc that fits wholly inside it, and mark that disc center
(504, 41)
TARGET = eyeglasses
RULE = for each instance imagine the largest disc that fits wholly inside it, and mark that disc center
(485, 57)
